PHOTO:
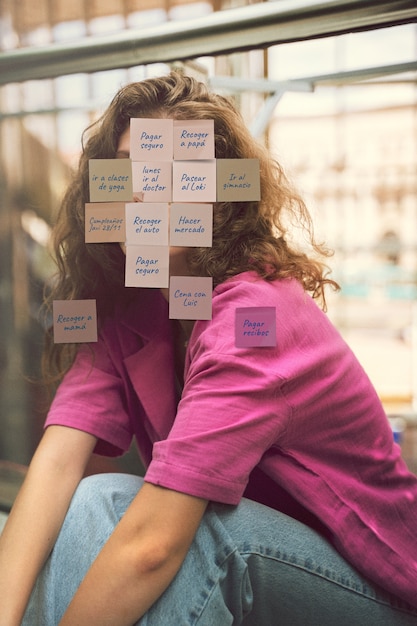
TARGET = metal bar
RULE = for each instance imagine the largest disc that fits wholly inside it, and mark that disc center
(307, 83)
(235, 84)
(261, 121)
(340, 79)
(254, 26)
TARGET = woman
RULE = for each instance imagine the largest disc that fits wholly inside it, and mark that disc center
(325, 534)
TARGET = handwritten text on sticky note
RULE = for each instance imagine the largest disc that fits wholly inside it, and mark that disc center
(191, 225)
(151, 139)
(193, 139)
(110, 180)
(74, 321)
(105, 222)
(147, 266)
(147, 223)
(152, 180)
(194, 181)
(238, 180)
(190, 297)
(255, 326)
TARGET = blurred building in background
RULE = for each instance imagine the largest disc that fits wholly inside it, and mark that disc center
(338, 111)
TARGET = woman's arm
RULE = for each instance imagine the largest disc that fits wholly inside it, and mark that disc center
(139, 560)
(37, 515)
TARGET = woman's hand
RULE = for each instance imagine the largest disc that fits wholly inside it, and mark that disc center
(37, 515)
(139, 560)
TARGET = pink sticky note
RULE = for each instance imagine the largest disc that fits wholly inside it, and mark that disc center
(193, 139)
(190, 297)
(194, 181)
(75, 321)
(105, 222)
(147, 223)
(147, 266)
(255, 326)
(151, 139)
(191, 225)
(152, 180)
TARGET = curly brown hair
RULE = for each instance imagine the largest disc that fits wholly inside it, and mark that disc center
(246, 235)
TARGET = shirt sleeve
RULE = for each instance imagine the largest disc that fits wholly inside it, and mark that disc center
(90, 398)
(231, 412)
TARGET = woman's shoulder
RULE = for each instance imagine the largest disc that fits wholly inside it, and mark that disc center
(252, 289)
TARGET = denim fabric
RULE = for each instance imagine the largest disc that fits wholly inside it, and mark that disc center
(248, 565)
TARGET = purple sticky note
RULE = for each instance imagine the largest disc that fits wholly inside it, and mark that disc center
(255, 327)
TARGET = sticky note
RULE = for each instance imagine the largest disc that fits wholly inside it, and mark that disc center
(105, 222)
(151, 139)
(191, 225)
(238, 180)
(190, 297)
(193, 139)
(147, 266)
(147, 223)
(194, 181)
(74, 321)
(255, 326)
(152, 180)
(110, 180)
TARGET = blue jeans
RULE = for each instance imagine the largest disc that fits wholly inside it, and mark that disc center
(248, 565)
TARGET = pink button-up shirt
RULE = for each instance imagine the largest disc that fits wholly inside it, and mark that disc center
(303, 415)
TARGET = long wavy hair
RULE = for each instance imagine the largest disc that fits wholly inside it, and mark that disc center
(246, 235)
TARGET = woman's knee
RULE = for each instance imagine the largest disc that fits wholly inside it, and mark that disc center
(98, 488)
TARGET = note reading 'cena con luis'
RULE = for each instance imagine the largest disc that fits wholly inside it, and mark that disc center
(190, 297)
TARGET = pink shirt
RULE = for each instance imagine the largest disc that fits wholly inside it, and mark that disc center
(303, 413)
